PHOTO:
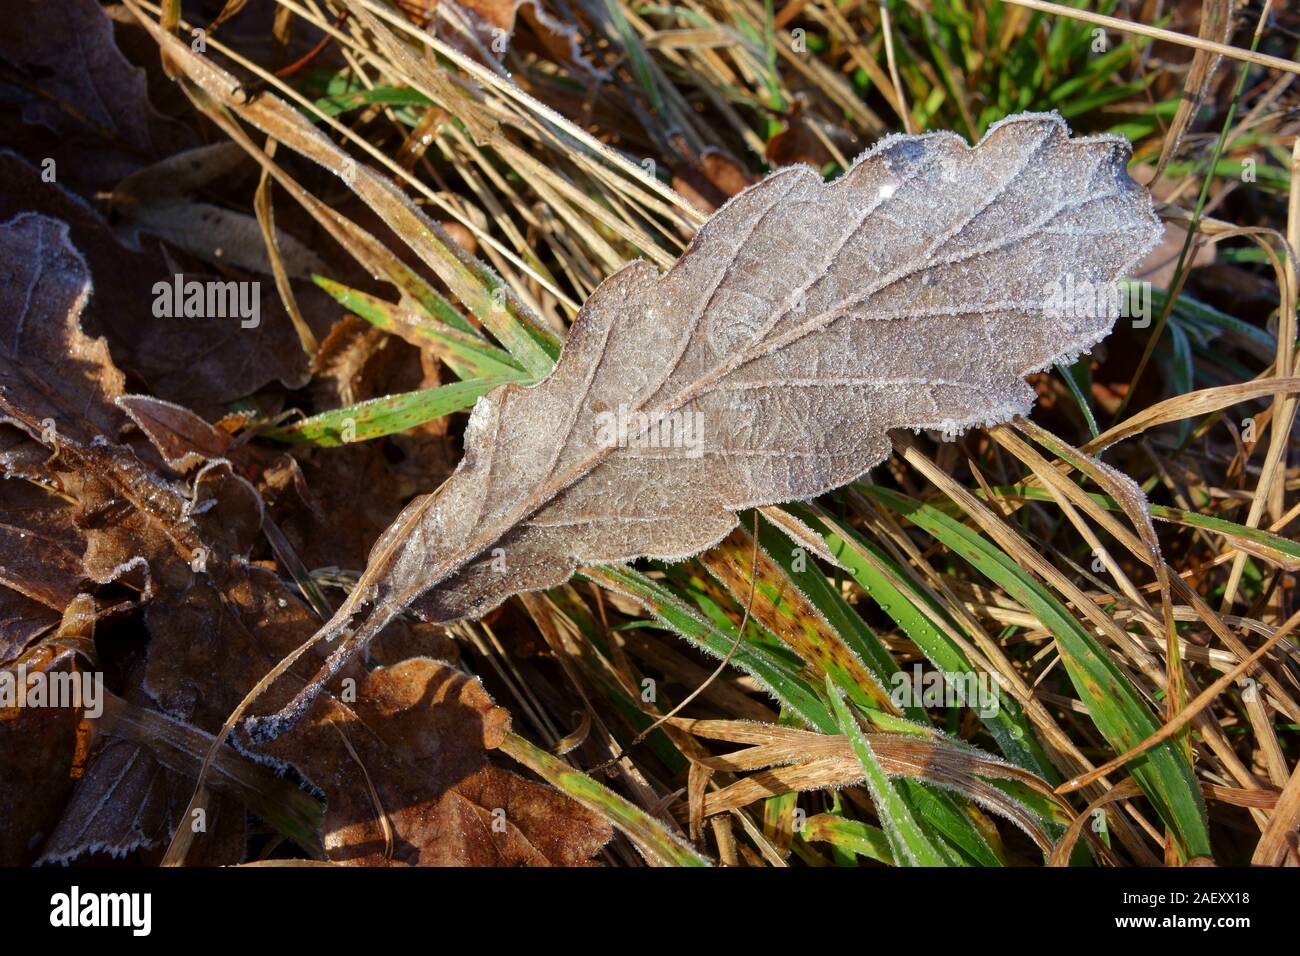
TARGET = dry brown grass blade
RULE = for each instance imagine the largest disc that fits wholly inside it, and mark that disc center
(1070, 496)
(1269, 495)
(697, 785)
(830, 762)
(1133, 502)
(1216, 26)
(1191, 405)
(511, 91)
(900, 98)
(745, 731)
(380, 813)
(1015, 545)
(820, 774)
(575, 739)
(463, 274)
(1279, 839)
(1157, 33)
(1124, 790)
(1282, 698)
(262, 204)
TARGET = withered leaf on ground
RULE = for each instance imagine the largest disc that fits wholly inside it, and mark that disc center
(217, 623)
(420, 729)
(38, 746)
(305, 490)
(128, 802)
(40, 545)
(162, 200)
(61, 375)
(84, 105)
(64, 377)
(22, 621)
(804, 322)
(159, 200)
(181, 438)
(711, 180)
(797, 143)
(369, 482)
(199, 362)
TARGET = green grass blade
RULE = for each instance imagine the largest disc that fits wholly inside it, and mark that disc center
(716, 638)
(1071, 375)
(849, 636)
(1115, 705)
(649, 835)
(908, 843)
(854, 836)
(384, 416)
(469, 356)
(886, 584)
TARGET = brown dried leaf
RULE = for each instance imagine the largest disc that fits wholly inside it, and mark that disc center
(182, 438)
(22, 621)
(198, 362)
(797, 143)
(709, 182)
(128, 802)
(1217, 25)
(40, 546)
(86, 107)
(219, 237)
(38, 746)
(357, 362)
(60, 376)
(420, 729)
(417, 733)
(218, 623)
(768, 365)
(306, 494)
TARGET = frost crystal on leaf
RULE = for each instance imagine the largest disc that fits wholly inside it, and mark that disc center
(803, 323)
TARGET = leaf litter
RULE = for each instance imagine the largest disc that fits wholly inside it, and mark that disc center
(218, 622)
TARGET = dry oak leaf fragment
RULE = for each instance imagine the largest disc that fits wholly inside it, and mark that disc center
(420, 729)
(768, 365)
(38, 747)
(200, 362)
(83, 105)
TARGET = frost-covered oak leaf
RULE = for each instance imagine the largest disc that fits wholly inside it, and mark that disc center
(768, 365)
